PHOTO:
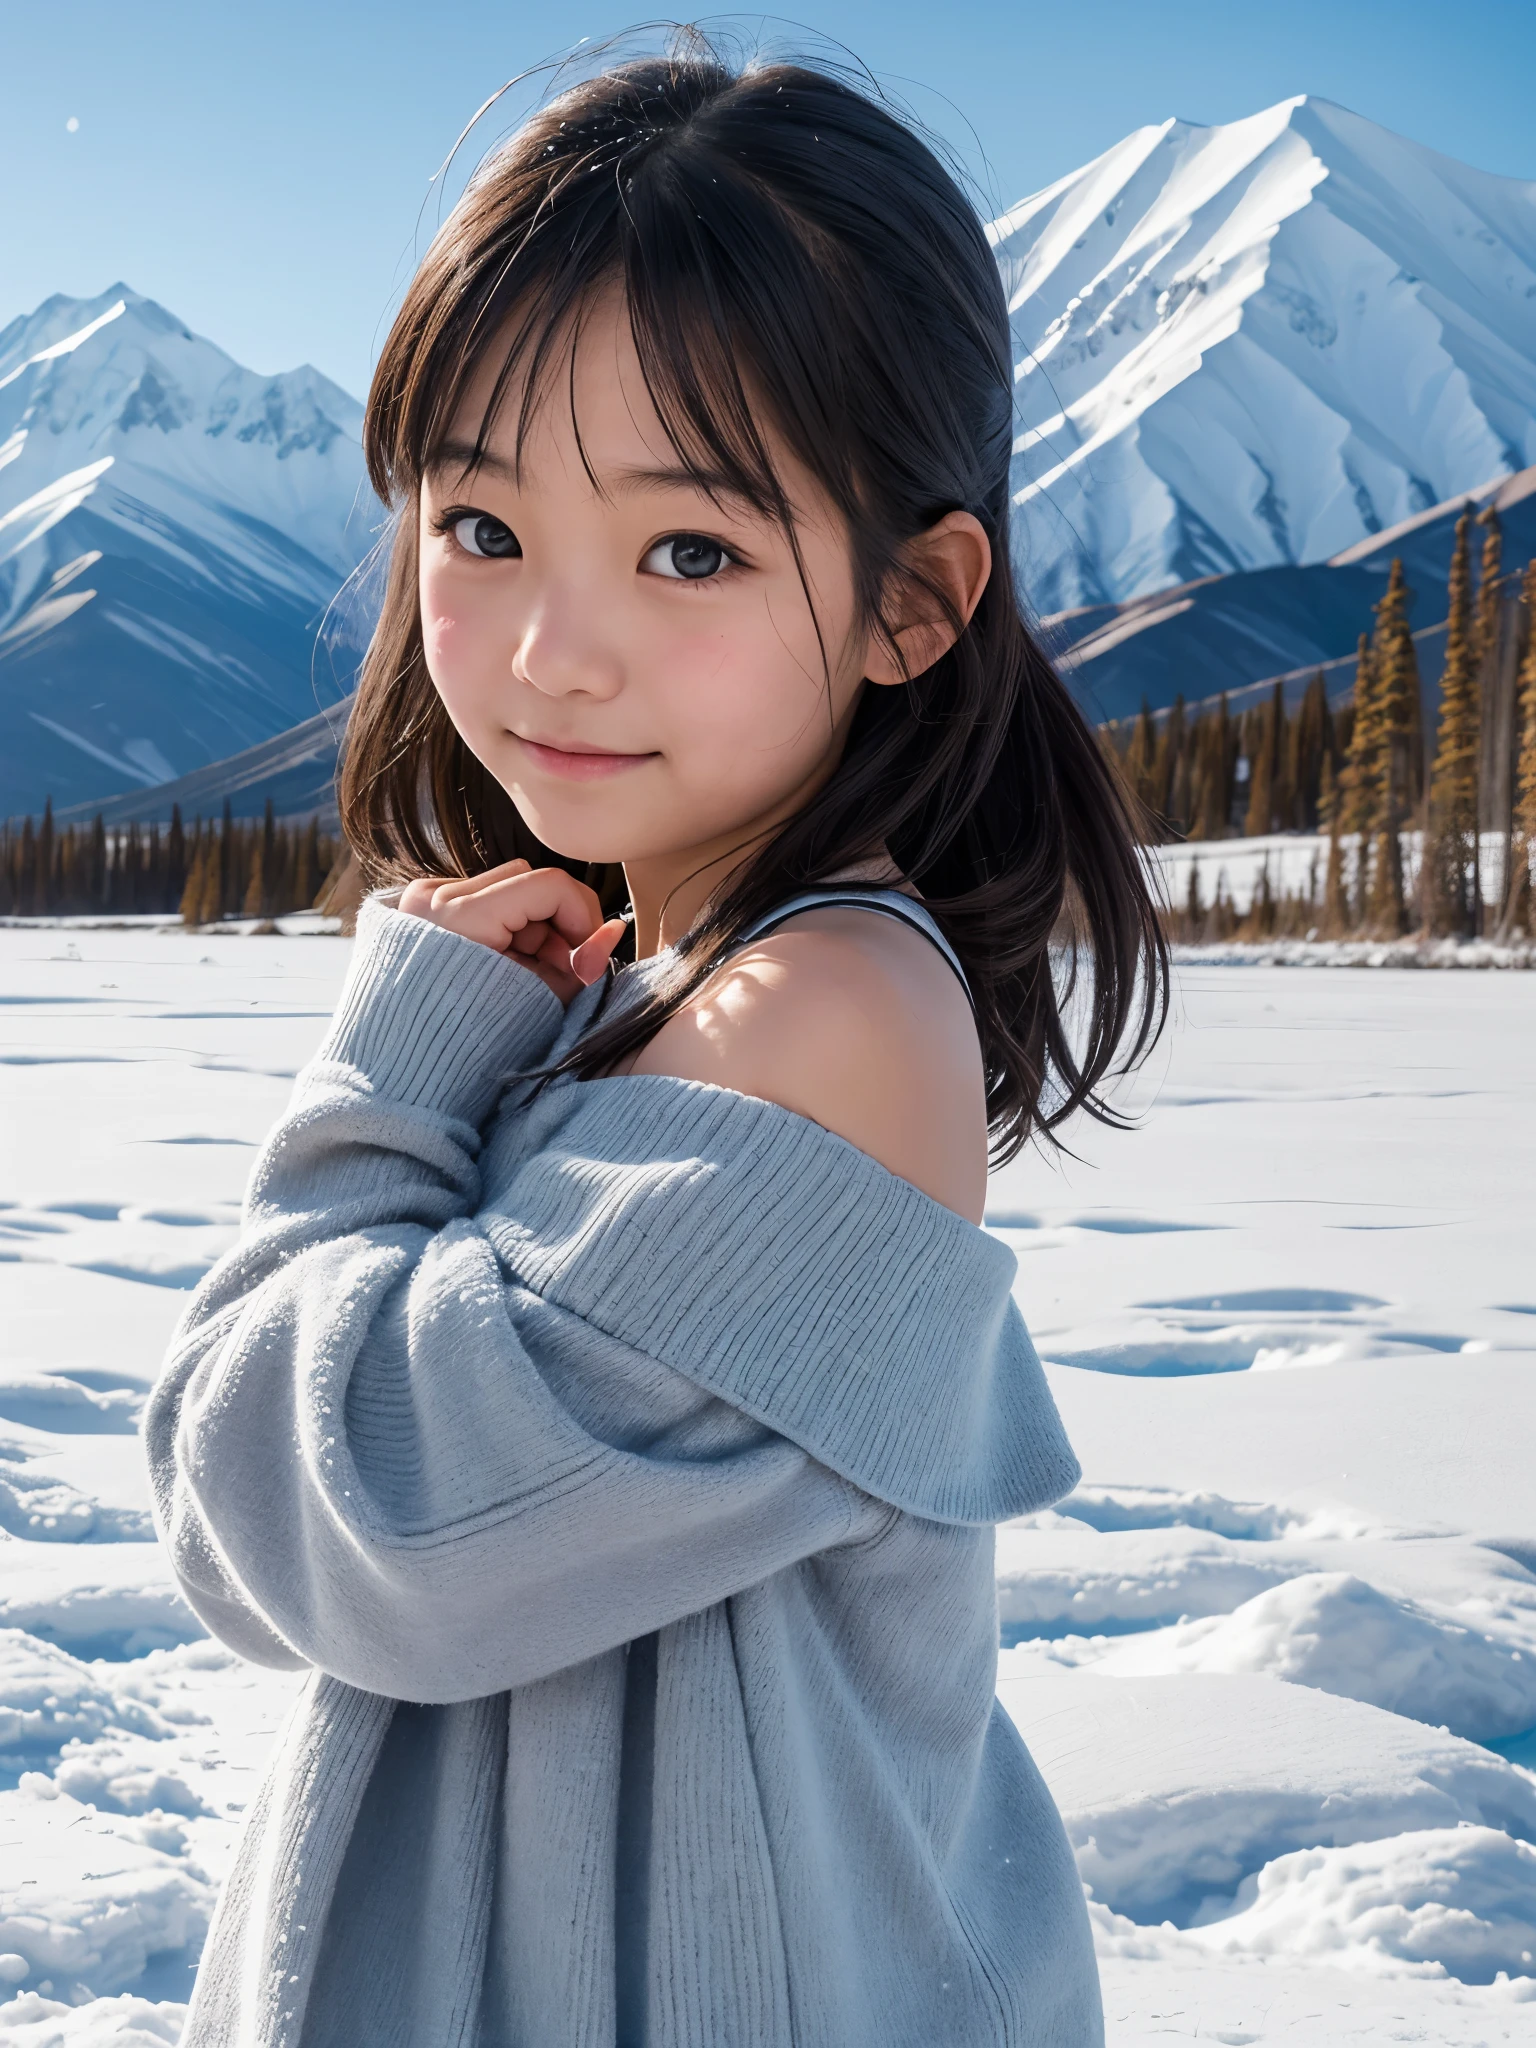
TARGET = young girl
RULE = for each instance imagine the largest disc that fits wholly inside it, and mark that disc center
(612, 1394)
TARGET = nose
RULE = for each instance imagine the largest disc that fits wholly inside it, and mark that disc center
(562, 651)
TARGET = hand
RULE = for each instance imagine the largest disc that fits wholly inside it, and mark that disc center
(542, 917)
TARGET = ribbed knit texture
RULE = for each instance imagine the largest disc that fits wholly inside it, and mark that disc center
(491, 1387)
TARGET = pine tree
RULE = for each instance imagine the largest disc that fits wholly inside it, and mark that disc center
(1194, 909)
(306, 867)
(1177, 778)
(1400, 699)
(1485, 629)
(1361, 780)
(231, 876)
(1311, 752)
(43, 887)
(1214, 758)
(1140, 756)
(1449, 875)
(175, 862)
(255, 898)
(97, 871)
(1269, 803)
(203, 851)
(1395, 712)
(1520, 894)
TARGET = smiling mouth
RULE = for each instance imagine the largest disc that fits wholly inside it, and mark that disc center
(579, 763)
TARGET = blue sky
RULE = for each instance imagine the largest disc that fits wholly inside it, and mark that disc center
(261, 169)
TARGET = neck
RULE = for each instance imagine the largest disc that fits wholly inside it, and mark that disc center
(668, 904)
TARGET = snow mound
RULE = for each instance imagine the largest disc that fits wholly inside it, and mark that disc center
(53, 1401)
(1456, 1902)
(45, 1506)
(99, 1896)
(1174, 1790)
(32, 2021)
(97, 1600)
(48, 1699)
(1057, 1582)
(1333, 1631)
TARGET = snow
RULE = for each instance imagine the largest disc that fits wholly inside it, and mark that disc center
(1276, 1655)
(1259, 343)
(1297, 865)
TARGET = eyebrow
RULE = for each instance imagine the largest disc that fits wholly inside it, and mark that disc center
(464, 457)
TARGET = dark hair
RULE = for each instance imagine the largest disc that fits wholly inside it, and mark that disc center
(789, 252)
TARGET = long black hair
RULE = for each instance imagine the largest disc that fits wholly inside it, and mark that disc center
(790, 253)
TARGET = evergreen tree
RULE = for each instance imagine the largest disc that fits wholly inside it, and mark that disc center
(1400, 701)
(306, 867)
(1140, 758)
(175, 880)
(1311, 753)
(1361, 781)
(1485, 630)
(1520, 897)
(231, 873)
(1395, 716)
(1194, 909)
(1269, 802)
(96, 881)
(197, 869)
(1214, 759)
(43, 886)
(256, 890)
(1177, 779)
(1449, 877)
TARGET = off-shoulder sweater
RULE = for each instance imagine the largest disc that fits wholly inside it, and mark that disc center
(623, 1459)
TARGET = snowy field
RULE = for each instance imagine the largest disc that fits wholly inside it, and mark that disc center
(1277, 1656)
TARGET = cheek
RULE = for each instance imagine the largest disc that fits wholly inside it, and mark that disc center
(748, 688)
(457, 642)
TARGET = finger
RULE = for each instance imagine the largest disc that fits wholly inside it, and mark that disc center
(452, 887)
(591, 957)
(552, 897)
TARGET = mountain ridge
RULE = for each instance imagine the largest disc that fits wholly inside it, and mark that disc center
(1258, 343)
(174, 532)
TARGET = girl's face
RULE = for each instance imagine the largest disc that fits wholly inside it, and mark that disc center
(635, 662)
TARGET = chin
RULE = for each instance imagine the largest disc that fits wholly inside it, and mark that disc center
(596, 839)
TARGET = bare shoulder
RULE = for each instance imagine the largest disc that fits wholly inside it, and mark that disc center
(857, 1022)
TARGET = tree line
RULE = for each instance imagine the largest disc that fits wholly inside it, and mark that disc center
(1366, 773)
(215, 869)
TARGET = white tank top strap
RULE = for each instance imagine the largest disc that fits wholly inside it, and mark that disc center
(851, 896)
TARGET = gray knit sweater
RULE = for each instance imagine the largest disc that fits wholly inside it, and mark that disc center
(624, 1463)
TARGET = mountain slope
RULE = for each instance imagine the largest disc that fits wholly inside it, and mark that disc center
(173, 530)
(1236, 631)
(1258, 344)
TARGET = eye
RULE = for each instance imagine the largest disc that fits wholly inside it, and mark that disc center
(477, 533)
(686, 557)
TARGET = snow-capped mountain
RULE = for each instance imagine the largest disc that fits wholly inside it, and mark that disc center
(1258, 344)
(173, 530)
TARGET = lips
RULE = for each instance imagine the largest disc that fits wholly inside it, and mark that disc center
(575, 762)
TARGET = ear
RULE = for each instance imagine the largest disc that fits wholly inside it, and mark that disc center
(953, 554)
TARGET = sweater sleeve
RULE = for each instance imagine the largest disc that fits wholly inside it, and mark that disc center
(373, 1452)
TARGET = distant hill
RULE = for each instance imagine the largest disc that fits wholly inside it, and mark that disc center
(1252, 346)
(1227, 632)
(173, 530)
